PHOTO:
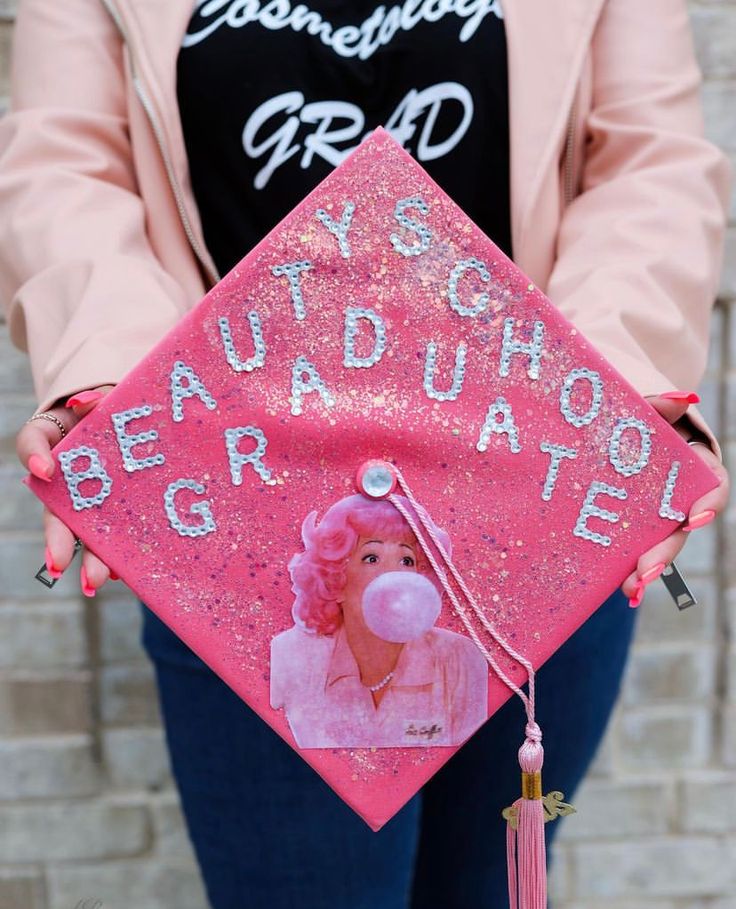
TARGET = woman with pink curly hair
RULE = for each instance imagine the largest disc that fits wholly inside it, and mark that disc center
(363, 664)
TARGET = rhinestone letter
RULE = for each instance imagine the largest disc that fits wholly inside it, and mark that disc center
(462, 266)
(421, 230)
(339, 229)
(665, 508)
(512, 345)
(590, 509)
(314, 382)
(126, 442)
(258, 359)
(95, 471)
(236, 457)
(201, 508)
(558, 452)
(645, 434)
(596, 382)
(507, 425)
(193, 387)
(458, 373)
(352, 314)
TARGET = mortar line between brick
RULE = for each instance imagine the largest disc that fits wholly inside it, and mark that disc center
(722, 631)
(44, 886)
(92, 630)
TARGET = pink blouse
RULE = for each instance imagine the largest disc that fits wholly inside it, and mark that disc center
(437, 696)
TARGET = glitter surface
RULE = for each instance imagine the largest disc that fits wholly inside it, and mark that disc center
(267, 424)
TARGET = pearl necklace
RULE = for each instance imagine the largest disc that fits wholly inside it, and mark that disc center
(384, 681)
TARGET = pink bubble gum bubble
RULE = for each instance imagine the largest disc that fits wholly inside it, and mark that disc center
(399, 606)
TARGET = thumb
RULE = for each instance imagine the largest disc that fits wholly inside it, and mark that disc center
(83, 402)
(672, 408)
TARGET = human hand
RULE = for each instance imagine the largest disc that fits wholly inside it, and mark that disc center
(653, 562)
(33, 443)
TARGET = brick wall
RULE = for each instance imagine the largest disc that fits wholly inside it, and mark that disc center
(88, 810)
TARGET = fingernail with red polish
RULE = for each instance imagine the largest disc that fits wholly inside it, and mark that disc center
(700, 519)
(84, 397)
(52, 570)
(87, 589)
(638, 595)
(39, 468)
(690, 396)
(114, 577)
(651, 574)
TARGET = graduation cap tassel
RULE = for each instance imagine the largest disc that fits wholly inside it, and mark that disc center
(526, 852)
(525, 847)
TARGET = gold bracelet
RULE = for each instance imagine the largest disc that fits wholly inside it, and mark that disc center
(43, 415)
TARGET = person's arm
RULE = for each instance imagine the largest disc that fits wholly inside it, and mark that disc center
(83, 291)
(640, 248)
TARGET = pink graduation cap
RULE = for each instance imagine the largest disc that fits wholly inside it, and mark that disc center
(372, 456)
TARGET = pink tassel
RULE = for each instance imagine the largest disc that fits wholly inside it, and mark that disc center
(526, 852)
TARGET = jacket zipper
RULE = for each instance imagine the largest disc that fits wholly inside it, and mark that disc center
(166, 157)
(569, 188)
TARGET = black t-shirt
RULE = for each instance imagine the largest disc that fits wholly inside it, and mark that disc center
(273, 95)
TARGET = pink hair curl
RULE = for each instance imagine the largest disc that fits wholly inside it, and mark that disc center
(319, 573)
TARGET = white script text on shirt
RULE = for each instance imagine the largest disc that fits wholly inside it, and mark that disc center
(348, 40)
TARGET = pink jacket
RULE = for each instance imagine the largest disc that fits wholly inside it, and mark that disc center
(618, 202)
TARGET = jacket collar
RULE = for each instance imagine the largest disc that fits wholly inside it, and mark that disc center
(546, 44)
(415, 666)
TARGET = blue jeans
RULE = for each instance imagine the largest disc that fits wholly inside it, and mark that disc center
(269, 832)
